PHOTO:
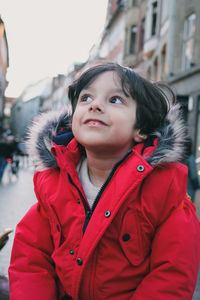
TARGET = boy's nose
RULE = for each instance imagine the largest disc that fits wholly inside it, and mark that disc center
(96, 105)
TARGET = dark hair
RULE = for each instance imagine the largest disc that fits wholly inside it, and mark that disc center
(153, 99)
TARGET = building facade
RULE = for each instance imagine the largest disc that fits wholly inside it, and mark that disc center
(111, 43)
(4, 64)
(171, 54)
(161, 39)
(47, 94)
(135, 20)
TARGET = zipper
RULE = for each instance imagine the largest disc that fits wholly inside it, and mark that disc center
(109, 178)
(86, 207)
(88, 211)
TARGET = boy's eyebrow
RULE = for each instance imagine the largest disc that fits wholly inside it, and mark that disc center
(118, 91)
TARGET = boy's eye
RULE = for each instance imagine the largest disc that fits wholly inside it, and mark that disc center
(85, 98)
(116, 100)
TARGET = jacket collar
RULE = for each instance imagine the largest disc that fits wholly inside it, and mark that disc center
(167, 144)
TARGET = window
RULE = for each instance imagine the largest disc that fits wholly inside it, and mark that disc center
(163, 62)
(120, 2)
(134, 3)
(183, 101)
(133, 39)
(126, 42)
(142, 30)
(155, 67)
(154, 18)
(149, 74)
(188, 41)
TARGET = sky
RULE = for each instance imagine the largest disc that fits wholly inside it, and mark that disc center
(45, 37)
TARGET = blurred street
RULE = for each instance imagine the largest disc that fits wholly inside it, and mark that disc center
(16, 197)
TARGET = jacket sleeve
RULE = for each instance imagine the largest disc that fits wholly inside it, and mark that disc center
(175, 254)
(31, 271)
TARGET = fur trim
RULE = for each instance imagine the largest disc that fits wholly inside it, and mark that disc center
(173, 139)
(172, 145)
(41, 134)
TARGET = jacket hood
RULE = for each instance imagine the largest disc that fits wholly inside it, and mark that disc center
(171, 147)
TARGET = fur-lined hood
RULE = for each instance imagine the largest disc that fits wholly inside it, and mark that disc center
(172, 145)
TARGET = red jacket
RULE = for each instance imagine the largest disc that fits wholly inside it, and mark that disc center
(139, 241)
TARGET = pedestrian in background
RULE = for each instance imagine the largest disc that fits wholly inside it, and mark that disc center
(113, 220)
(8, 149)
(5, 153)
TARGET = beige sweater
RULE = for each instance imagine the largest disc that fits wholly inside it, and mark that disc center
(89, 188)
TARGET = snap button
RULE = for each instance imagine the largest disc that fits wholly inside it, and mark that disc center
(71, 252)
(107, 214)
(140, 168)
(79, 261)
(58, 227)
(78, 201)
(126, 237)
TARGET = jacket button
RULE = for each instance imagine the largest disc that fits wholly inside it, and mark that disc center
(71, 252)
(79, 261)
(126, 237)
(78, 201)
(140, 168)
(107, 214)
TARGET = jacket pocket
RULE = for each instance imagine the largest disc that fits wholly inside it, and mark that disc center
(64, 258)
(131, 239)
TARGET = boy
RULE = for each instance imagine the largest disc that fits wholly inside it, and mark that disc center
(113, 220)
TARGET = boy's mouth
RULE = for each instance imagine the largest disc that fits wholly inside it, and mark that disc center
(95, 122)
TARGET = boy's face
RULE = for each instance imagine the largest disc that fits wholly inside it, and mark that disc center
(105, 117)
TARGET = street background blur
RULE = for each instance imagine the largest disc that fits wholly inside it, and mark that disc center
(160, 39)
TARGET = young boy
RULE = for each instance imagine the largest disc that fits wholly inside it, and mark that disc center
(113, 220)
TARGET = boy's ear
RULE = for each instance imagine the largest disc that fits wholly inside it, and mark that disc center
(139, 137)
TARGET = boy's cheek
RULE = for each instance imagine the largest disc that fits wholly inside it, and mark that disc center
(75, 127)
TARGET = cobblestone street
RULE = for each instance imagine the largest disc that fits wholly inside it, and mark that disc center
(16, 197)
